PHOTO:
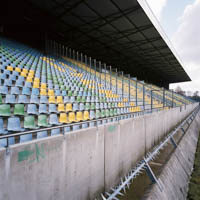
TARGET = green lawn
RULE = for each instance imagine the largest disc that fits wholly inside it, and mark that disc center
(194, 186)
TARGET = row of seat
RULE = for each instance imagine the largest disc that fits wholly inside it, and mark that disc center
(42, 120)
(23, 109)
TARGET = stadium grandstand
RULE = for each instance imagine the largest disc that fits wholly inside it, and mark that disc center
(40, 91)
(68, 66)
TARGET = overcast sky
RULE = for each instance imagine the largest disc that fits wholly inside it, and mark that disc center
(180, 20)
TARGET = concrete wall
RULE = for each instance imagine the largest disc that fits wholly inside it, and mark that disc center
(81, 164)
(176, 173)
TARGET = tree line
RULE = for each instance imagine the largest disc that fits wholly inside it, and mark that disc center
(192, 95)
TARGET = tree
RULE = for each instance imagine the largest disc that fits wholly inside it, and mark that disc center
(189, 93)
(179, 90)
(196, 94)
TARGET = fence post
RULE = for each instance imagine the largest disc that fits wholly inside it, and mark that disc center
(95, 66)
(116, 82)
(122, 84)
(105, 75)
(151, 100)
(129, 87)
(136, 86)
(100, 70)
(143, 96)
(110, 77)
(163, 97)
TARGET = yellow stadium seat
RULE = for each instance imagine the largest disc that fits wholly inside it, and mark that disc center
(63, 118)
(31, 71)
(23, 74)
(51, 92)
(79, 116)
(43, 85)
(36, 79)
(17, 69)
(29, 79)
(9, 68)
(86, 115)
(68, 107)
(25, 70)
(61, 107)
(52, 99)
(31, 75)
(36, 85)
(43, 92)
(72, 117)
(59, 99)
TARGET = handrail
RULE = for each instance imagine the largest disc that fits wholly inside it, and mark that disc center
(143, 164)
(79, 123)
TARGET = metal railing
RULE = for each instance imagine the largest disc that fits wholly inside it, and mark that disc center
(95, 123)
(143, 164)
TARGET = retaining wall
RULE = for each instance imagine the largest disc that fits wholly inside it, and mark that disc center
(175, 175)
(80, 165)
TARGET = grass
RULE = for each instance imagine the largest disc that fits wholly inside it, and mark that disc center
(194, 186)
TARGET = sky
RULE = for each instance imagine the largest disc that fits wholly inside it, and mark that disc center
(180, 20)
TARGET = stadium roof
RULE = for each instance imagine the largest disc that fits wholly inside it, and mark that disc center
(122, 33)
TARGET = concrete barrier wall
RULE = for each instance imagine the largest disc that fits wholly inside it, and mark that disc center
(176, 173)
(81, 164)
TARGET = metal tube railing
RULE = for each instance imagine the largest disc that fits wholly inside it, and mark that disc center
(143, 164)
(143, 112)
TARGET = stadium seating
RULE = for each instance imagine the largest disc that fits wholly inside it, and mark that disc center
(38, 91)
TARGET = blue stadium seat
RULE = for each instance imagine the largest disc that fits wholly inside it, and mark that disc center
(26, 91)
(55, 131)
(14, 90)
(32, 109)
(7, 82)
(34, 99)
(52, 108)
(19, 83)
(10, 99)
(14, 124)
(22, 99)
(43, 109)
(3, 142)
(25, 138)
(35, 91)
(53, 119)
(43, 99)
(3, 90)
(2, 130)
(41, 134)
